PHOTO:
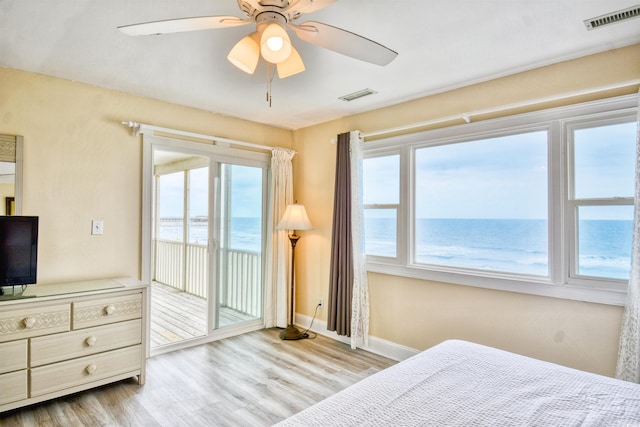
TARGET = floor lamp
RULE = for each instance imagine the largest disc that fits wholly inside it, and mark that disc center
(294, 218)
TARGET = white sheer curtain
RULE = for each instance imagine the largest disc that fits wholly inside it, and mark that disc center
(628, 367)
(360, 297)
(282, 195)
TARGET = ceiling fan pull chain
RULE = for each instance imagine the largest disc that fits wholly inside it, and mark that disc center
(270, 73)
(268, 86)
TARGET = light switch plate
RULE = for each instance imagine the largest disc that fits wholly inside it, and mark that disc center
(97, 227)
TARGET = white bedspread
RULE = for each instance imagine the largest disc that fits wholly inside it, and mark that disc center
(458, 383)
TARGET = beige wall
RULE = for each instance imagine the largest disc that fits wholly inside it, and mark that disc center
(81, 163)
(420, 314)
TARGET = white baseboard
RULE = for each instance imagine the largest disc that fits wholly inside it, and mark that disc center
(376, 345)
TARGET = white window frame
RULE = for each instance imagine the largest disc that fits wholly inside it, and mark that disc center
(573, 203)
(562, 282)
(400, 207)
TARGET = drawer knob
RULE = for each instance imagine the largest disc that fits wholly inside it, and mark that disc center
(110, 309)
(91, 369)
(29, 322)
(90, 340)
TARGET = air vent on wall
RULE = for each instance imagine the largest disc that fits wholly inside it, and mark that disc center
(358, 94)
(612, 18)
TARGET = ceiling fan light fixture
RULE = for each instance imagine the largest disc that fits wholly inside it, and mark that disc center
(275, 45)
(245, 54)
(292, 65)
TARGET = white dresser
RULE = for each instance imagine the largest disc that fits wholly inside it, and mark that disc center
(71, 337)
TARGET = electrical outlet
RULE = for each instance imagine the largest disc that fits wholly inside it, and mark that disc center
(320, 302)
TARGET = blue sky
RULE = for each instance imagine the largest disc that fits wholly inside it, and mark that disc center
(170, 195)
(246, 191)
(499, 178)
(606, 160)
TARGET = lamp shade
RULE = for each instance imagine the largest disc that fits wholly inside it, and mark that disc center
(275, 45)
(292, 65)
(294, 218)
(245, 54)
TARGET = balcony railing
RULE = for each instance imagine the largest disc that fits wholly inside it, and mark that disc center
(240, 274)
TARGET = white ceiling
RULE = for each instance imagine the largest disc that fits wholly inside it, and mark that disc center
(442, 44)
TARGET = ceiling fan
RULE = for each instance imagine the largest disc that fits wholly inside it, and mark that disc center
(270, 40)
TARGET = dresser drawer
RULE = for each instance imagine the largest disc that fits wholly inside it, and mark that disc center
(13, 356)
(106, 310)
(32, 322)
(70, 345)
(63, 375)
(14, 387)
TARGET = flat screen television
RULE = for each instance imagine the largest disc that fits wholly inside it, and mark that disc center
(18, 250)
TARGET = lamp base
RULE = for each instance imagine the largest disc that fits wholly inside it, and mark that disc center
(291, 333)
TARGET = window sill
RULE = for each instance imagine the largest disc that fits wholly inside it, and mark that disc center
(530, 286)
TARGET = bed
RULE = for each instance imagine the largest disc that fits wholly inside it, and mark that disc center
(458, 383)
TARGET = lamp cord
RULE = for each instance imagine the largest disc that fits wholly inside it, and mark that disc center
(313, 335)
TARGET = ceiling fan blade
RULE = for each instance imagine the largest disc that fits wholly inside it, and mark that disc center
(250, 7)
(308, 6)
(344, 42)
(183, 24)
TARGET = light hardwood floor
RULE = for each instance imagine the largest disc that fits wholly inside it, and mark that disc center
(254, 379)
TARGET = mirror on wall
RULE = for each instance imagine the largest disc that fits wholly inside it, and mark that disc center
(10, 174)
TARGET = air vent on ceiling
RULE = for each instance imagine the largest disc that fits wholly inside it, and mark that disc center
(358, 94)
(612, 18)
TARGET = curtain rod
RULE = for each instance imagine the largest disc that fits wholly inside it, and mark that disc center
(138, 128)
(467, 116)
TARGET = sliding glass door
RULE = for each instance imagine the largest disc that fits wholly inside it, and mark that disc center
(207, 239)
(180, 285)
(241, 244)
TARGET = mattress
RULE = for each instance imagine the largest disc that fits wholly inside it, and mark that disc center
(458, 383)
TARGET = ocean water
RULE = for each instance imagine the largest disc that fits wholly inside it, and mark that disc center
(505, 245)
(245, 233)
(487, 244)
(605, 248)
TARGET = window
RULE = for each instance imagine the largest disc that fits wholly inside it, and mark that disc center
(539, 203)
(602, 167)
(381, 199)
(482, 204)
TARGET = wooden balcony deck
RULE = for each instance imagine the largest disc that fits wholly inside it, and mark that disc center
(178, 316)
